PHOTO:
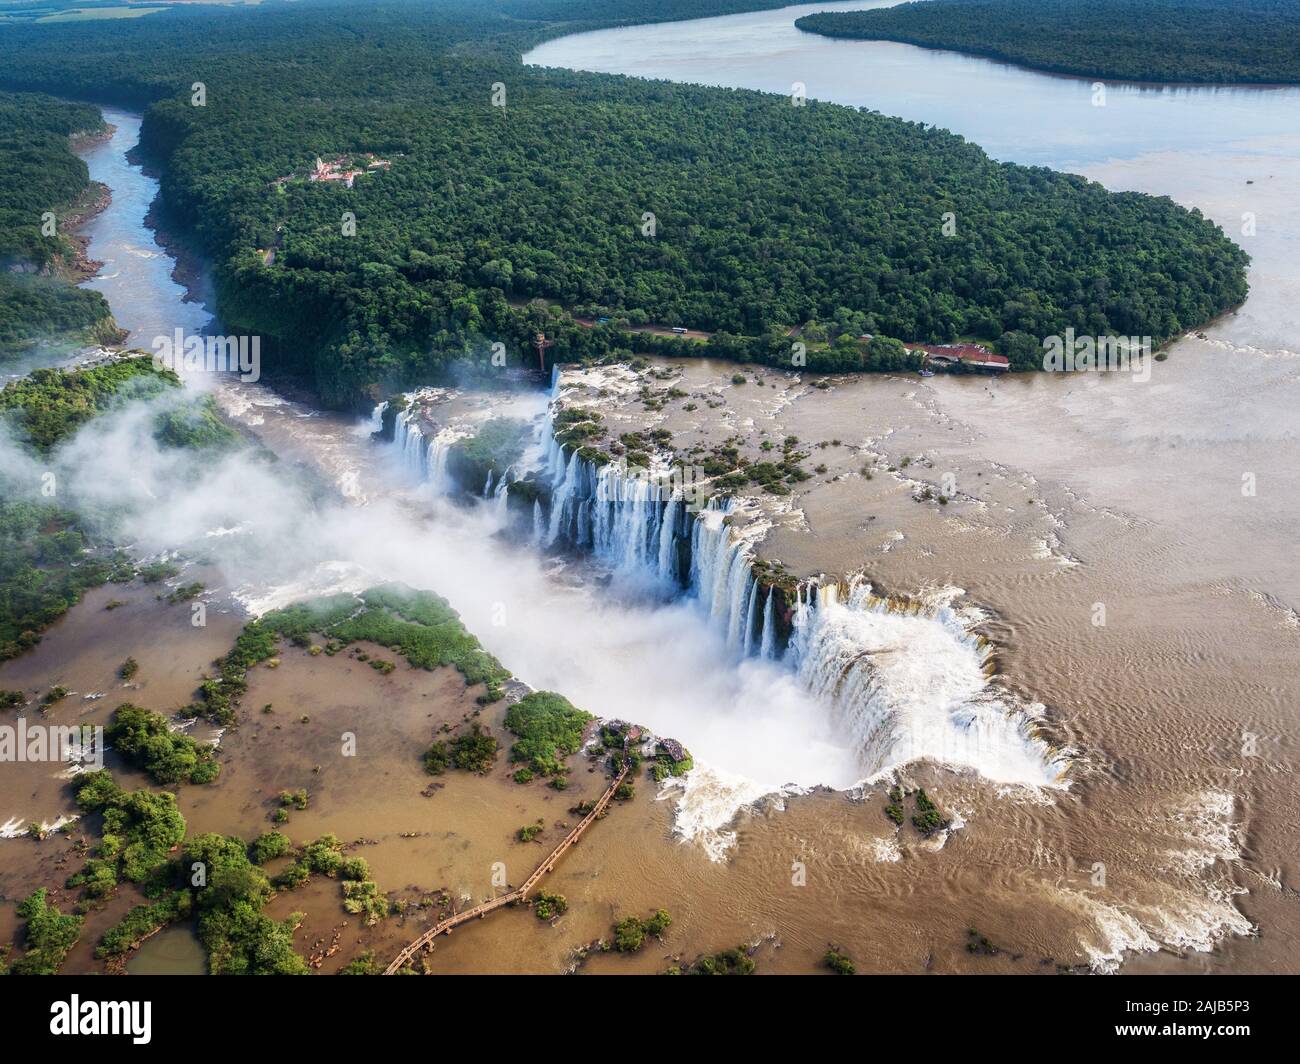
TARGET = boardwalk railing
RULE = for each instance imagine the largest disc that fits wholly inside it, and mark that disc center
(521, 894)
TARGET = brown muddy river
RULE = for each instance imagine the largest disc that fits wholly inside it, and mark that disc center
(1168, 842)
(1094, 489)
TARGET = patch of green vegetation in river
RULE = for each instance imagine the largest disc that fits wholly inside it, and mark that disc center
(148, 741)
(49, 405)
(143, 842)
(419, 625)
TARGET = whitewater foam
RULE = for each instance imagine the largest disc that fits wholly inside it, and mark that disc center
(910, 684)
(902, 682)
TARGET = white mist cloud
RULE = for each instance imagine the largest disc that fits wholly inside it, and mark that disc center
(277, 536)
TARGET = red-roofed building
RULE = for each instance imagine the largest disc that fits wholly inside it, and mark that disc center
(971, 356)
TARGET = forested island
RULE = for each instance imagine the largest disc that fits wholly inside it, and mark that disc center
(1210, 41)
(44, 188)
(505, 200)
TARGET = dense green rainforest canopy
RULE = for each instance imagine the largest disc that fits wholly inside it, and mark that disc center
(39, 177)
(1252, 41)
(766, 215)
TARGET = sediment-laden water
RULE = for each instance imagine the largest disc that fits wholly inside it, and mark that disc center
(887, 685)
(1195, 842)
(1135, 583)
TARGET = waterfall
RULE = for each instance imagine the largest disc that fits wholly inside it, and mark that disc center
(635, 523)
(630, 520)
(423, 458)
(909, 683)
(737, 591)
(767, 648)
(487, 485)
(409, 441)
(501, 498)
(667, 560)
(375, 425)
(563, 494)
(722, 575)
(749, 618)
(904, 683)
(435, 467)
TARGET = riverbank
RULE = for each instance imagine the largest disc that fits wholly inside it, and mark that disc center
(42, 315)
(82, 267)
(95, 199)
(698, 262)
(1099, 531)
(1154, 700)
(1064, 916)
(1200, 43)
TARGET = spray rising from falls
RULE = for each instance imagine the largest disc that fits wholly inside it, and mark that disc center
(903, 682)
(375, 425)
(615, 647)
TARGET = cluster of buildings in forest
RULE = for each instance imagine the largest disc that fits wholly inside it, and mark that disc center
(344, 168)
